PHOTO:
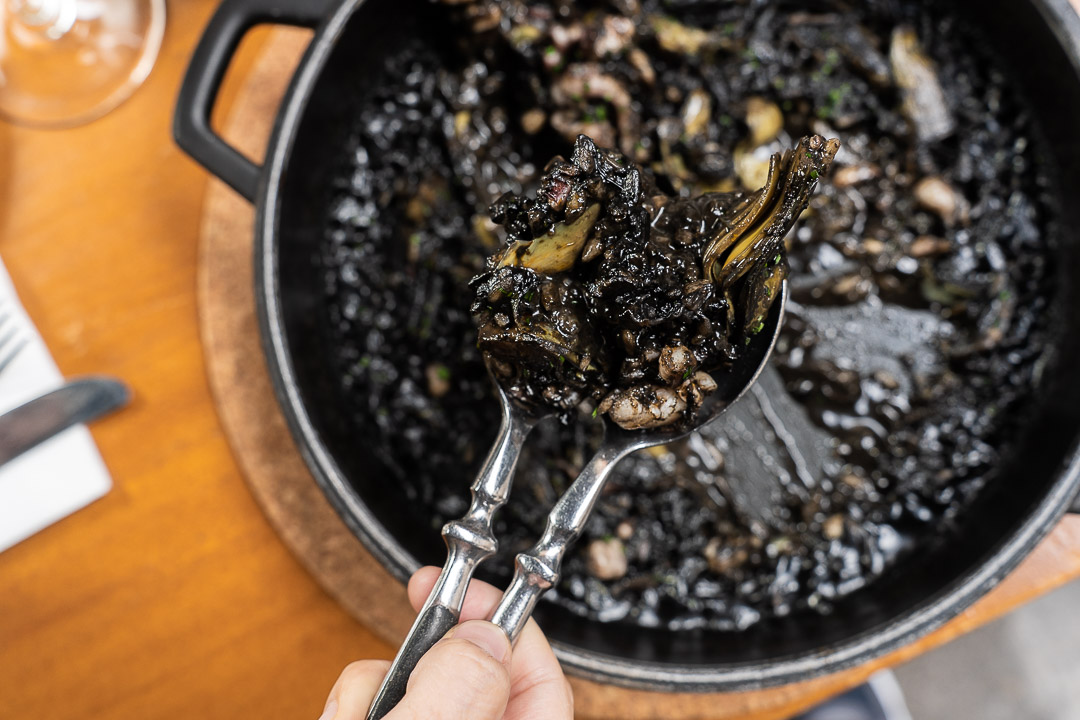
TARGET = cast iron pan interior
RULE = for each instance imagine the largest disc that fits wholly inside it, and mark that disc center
(1041, 66)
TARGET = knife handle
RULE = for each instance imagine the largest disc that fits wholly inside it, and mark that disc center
(77, 402)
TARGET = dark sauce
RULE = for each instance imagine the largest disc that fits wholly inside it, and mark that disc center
(920, 279)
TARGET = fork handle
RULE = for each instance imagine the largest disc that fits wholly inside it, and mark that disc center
(433, 622)
(469, 541)
(468, 547)
(540, 568)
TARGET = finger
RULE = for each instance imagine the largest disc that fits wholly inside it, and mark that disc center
(464, 676)
(538, 686)
(539, 690)
(480, 600)
(354, 690)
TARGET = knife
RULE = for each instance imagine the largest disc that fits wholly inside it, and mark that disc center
(78, 401)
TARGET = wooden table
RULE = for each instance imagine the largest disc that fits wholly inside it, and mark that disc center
(172, 597)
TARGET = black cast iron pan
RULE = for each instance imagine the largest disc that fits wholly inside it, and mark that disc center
(1041, 40)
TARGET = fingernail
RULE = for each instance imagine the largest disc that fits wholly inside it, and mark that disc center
(488, 637)
(330, 711)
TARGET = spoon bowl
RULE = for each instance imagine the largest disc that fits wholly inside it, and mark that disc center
(731, 386)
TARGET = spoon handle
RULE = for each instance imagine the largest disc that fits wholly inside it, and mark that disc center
(469, 541)
(538, 569)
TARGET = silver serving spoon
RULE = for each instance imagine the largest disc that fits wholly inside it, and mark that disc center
(470, 540)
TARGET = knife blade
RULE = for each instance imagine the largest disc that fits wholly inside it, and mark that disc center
(77, 401)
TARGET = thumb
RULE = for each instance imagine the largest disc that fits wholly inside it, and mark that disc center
(465, 676)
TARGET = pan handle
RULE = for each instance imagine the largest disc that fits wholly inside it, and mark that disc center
(198, 93)
(1075, 507)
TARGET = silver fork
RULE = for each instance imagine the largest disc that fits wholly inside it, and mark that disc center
(11, 340)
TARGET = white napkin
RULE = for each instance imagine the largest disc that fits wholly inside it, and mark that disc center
(62, 474)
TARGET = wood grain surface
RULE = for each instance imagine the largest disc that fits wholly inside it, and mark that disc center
(173, 597)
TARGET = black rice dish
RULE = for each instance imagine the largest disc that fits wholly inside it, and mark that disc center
(614, 293)
(920, 276)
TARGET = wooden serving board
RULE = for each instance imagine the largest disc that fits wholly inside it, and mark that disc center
(308, 525)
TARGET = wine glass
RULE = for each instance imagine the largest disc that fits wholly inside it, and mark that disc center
(67, 62)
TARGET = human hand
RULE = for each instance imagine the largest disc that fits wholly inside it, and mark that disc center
(470, 674)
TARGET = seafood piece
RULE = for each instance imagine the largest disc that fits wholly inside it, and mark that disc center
(924, 101)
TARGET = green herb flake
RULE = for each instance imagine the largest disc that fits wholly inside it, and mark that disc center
(834, 98)
(442, 372)
(595, 412)
(551, 50)
(814, 174)
(832, 61)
